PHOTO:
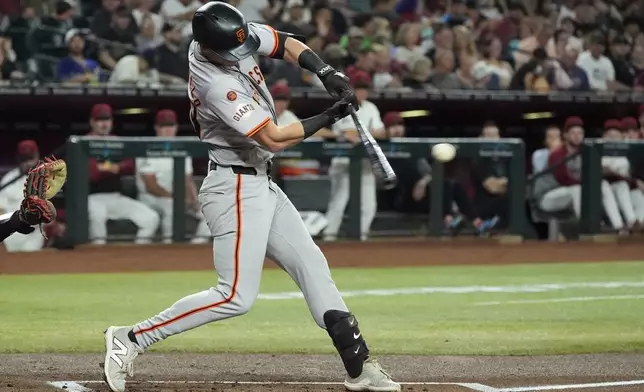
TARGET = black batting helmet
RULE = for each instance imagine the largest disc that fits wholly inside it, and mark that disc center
(223, 29)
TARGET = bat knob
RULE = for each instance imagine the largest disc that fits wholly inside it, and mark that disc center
(389, 183)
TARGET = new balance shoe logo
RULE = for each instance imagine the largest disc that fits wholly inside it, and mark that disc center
(122, 350)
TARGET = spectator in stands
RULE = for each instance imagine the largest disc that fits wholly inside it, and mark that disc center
(464, 44)
(155, 182)
(75, 68)
(630, 130)
(120, 37)
(566, 75)
(530, 76)
(51, 36)
(407, 44)
(418, 76)
(637, 64)
(476, 75)
(148, 38)
(296, 18)
(491, 52)
(632, 28)
(508, 28)
(11, 196)
(383, 76)
(17, 29)
(353, 44)
(103, 18)
(134, 70)
(528, 45)
(322, 22)
(443, 41)
(345, 129)
(385, 9)
(8, 69)
(394, 124)
(105, 201)
(365, 63)
(617, 172)
(257, 10)
(618, 54)
(168, 58)
(179, 13)
(143, 14)
(282, 98)
(552, 141)
(560, 189)
(491, 183)
(444, 77)
(598, 67)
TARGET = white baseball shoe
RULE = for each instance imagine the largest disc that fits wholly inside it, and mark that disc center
(119, 357)
(372, 379)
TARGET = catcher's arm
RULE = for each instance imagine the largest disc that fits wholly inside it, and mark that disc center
(12, 224)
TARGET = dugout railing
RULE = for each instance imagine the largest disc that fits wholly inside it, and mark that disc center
(80, 148)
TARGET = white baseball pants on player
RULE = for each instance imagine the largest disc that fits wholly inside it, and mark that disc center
(250, 218)
(622, 192)
(637, 197)
(163, 205)
(115, 206)
(564, 197)
(31, 242)
(340, 192)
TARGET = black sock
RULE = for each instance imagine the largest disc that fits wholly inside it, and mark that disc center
(132, 337)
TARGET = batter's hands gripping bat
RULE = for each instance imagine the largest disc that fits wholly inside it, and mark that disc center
(381, 168)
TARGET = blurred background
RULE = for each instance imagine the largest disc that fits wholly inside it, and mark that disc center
(554, 78)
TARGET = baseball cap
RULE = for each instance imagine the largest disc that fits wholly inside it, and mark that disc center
(281, 91)
(629, 123)
(101, 111)
(392, 118)
(71, 33)
(361, 80)
(612, 124)
(166, 117)
(27, 148)
(573, 121)
(62, 6)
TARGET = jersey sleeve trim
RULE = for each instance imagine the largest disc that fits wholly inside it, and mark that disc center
(277, 41)
(258, 127)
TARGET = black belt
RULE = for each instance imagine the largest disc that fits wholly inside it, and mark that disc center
(250, 171)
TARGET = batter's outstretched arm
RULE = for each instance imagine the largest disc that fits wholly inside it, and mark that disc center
(278, 138)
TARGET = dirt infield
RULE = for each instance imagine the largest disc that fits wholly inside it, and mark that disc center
(129, 258)
(166, 372)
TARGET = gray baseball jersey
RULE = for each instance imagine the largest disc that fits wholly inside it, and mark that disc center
(230, 104)
(248, 215)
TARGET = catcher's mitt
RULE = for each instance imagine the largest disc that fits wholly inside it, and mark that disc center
(43, 182)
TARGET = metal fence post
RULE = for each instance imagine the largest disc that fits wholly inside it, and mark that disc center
(517, 221)
(76, 192)
(355, 198)
(436, 199)
(591, 179)
(179, 200)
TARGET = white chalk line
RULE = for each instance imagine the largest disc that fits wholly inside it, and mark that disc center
(573, 386)
(79, 386)
(527, 288)
(556, 300)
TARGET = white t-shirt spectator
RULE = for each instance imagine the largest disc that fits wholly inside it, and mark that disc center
(127, 73)
(287, 117)
(599, 71)
(251, 9)
(162, 170)
(170, 9)
(156, 19)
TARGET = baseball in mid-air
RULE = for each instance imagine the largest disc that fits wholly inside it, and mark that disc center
(444, 152)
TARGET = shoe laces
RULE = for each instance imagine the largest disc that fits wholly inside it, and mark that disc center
(375, 364)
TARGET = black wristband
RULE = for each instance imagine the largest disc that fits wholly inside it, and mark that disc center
(313, 124)
(312, 62)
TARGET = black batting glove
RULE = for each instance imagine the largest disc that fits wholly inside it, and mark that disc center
(336, 83)
(340, 109)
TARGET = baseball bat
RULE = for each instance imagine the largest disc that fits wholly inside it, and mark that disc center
(379, 163)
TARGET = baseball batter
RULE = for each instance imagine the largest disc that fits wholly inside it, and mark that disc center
(250, 217)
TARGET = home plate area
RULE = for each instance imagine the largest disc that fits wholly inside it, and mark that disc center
(157, 372)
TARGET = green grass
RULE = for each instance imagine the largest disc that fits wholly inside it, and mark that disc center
(67, 313)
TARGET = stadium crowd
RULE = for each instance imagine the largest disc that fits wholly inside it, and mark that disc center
(413, 44)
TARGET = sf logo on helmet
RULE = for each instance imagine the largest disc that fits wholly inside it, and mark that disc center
(241, 35)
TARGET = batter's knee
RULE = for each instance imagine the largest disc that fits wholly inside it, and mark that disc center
(241, 304)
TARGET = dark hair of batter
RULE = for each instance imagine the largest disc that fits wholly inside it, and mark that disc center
(343, 329)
